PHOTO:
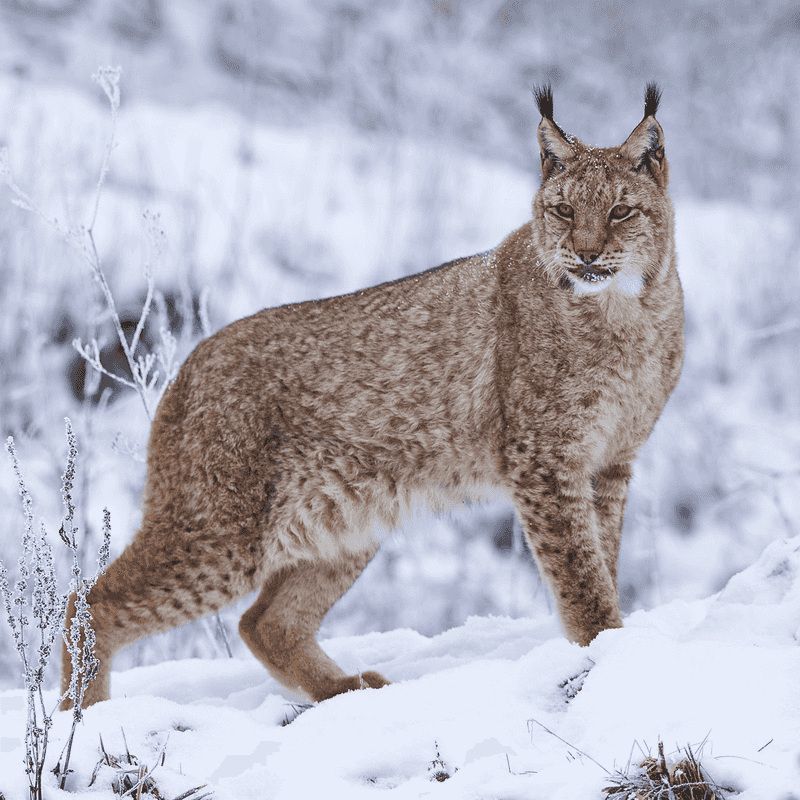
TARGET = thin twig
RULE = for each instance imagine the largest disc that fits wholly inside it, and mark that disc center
(576, 749)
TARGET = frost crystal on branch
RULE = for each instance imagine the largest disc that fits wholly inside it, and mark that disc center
(107, 78)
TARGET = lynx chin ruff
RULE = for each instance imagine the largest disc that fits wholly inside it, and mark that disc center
(292, 441)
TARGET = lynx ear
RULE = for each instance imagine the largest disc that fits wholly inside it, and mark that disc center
(554, 144)
(645, 146)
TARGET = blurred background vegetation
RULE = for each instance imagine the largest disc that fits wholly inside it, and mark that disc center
(299, 148)
(456, 72)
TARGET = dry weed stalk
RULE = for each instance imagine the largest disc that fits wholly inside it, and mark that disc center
(79, 638)
(296, 709)
(37, 568)
(655, 779)
(439, 770)
(145, 380)
(133, 779)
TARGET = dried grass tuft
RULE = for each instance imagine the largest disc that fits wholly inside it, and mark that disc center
(133, 779)
(439, 770)
(296, 709)
(655, 779)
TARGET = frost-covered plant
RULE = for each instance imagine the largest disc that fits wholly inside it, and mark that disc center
(79, 639)
(145, 380)
(35, 564)
(37, 577)
(150, 371)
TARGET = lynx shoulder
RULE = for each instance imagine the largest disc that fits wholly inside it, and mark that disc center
(293, 440)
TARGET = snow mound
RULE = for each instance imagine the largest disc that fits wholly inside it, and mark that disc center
(504, 708)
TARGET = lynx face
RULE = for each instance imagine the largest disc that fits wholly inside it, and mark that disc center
(602, 217)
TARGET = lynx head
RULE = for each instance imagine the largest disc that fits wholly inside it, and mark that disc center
(602, 216)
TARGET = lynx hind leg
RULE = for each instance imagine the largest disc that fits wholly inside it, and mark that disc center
(117, 619)
(161, 580)
(281, 626)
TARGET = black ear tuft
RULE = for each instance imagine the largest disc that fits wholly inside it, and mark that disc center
(652, 97)
(544, 99)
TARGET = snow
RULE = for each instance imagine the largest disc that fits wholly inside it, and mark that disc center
(494, 697)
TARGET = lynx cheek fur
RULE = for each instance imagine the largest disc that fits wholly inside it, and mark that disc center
(293, 440)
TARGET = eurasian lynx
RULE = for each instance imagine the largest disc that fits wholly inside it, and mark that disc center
(293, 440)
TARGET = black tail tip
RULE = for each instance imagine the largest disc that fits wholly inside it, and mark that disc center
(544, 99)
(652, 97)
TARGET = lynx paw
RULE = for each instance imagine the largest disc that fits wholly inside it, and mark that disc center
(372, 680)
(364, 680)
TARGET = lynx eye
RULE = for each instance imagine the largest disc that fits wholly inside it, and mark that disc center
(564, 210)
(620, 212)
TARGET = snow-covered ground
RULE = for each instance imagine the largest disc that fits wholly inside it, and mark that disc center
(509, 706)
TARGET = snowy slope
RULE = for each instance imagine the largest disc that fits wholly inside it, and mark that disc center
(722, 671)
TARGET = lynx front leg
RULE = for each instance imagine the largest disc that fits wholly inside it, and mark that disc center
(280, 628)
(560, 522)
(610, 489)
